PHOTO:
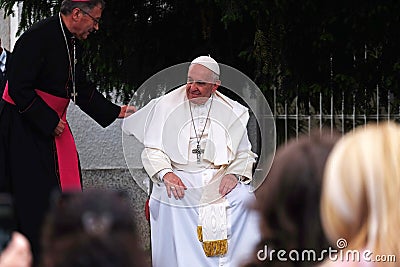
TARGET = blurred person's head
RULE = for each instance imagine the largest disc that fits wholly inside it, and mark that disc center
(361, 189)
(93, 228)
(288, 200)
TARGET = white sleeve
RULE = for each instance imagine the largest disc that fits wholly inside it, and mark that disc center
(154, 161)
(163, 172)
(242, 164)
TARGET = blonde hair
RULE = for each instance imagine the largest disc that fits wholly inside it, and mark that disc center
(361, 189)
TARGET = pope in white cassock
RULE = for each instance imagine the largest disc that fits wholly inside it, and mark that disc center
(199, 156)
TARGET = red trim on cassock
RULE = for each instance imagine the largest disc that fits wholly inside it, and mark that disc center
(66, 150)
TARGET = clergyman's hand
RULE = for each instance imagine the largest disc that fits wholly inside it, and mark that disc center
(174, 185)
(228, 182)
(60, 128)
(126, 111)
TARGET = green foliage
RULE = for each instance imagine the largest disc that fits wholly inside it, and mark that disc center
(303, 49)
(33, 10)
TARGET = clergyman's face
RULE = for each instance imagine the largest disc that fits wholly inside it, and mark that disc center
(200, 84)
(88, 22)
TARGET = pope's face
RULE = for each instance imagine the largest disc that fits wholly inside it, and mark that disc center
(88, 22)
(200, 84)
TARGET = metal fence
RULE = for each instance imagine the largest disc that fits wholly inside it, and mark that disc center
(337, 110)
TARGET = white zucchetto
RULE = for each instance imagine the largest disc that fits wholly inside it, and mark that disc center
(207, 62)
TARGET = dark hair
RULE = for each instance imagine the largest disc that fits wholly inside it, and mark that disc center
(68, 5)
(289, 200)
(93, 228)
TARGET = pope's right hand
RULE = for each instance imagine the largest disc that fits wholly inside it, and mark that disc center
(174, 185)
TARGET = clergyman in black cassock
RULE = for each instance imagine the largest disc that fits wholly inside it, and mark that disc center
(44, 67)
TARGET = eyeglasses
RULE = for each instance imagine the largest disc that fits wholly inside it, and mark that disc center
(200, 83)
(95, 21)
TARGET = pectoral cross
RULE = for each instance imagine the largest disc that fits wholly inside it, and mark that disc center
(198, 151)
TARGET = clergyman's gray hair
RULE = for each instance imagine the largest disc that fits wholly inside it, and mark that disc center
(68, 5)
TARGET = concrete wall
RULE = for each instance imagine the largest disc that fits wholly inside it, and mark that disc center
(103, 163)
(4, 30)
(9, 27)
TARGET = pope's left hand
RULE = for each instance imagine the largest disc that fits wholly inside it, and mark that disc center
(126, 111)
(228, 182)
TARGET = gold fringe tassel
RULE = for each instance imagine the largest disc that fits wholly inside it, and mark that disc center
(200, 233)
(215, 248)
(212, 248)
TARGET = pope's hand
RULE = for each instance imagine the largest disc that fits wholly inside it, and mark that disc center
(174, 185)
(126, 111)
(227, 184)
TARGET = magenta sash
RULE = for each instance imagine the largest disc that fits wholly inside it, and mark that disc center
(67, 155)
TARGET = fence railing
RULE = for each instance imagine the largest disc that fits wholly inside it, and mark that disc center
(340, 109)
(293, 120)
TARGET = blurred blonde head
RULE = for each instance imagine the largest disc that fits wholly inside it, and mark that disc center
(361, 189)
